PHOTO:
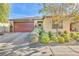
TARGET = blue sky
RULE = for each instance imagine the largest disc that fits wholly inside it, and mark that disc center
(22, 10)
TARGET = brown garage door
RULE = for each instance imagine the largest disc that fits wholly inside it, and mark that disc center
(23, 26)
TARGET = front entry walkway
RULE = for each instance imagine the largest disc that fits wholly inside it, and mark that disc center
(18, 44)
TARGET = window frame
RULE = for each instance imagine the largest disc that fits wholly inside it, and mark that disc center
(57, 25)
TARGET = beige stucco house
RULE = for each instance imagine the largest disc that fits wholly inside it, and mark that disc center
(46, 22)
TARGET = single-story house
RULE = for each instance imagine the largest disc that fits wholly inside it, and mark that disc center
(28, 24)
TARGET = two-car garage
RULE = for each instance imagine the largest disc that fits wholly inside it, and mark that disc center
(23, 26)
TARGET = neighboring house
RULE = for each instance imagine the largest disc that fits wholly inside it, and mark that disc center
(4, 27)
(28, 24)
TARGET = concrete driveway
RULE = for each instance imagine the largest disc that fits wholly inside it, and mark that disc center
(18, 44)
(14, 38)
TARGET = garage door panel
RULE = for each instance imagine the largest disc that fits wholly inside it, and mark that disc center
(23, 27)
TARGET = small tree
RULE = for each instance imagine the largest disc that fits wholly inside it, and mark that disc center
(4, 13)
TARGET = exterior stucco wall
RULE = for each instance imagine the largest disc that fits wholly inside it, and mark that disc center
(35, 23)
(47, 25)
(77, 26)
(66, 25)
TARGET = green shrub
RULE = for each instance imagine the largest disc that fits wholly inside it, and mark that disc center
(50, 34)
(54, 39)
(61, 40)
(45, 39)
(44, 34)
(77, 33)
(62, 34)
(37, 30)
(65, 32)
(77, 38)
(42, 31)
(59, 33)
(73, 35)
(66, 38)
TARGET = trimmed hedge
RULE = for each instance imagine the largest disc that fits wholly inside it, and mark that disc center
(50, 34)
(61, 40)
(74, 35)
(54, 39)
(44, 38)
(65, 32)
(63, 37)
(66, 37)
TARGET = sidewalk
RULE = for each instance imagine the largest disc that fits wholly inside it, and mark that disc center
(47, 51)
(65, 50)
(58, 51)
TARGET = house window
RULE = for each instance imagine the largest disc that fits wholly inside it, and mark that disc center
(57, 25)
(40, 23)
